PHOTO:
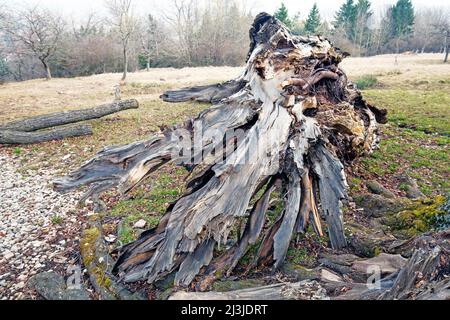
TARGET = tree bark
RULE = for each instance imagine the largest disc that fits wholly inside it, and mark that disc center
(423, 277)
(305, 290)
(48, 73)
(210, 93)
(68, 117)
(19, 137)
(290, 123)
(125, 63)
(446, 45)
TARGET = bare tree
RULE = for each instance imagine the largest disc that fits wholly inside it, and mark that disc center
(214, 33)
(91, 23)
(123, 20)
(446, 44)
(89, 48)
(150, 35)
(442, 28)
(39, 31)
(186, 22)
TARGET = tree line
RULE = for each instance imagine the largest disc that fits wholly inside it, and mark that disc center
(356, 27)
(37, 42)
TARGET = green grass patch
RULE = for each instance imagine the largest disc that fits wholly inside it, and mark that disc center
(366, 81)
(421, 110)
(148, 202)
(300, 256)
(423, 157)
(420, 217)
(57, 220)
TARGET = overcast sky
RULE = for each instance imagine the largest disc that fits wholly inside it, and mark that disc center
(327, 8)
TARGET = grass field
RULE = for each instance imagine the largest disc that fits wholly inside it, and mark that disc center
(415, 90)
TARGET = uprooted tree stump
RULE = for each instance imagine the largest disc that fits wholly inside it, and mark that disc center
(290, 122)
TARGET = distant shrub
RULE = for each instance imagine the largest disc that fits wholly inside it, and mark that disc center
(366, 81)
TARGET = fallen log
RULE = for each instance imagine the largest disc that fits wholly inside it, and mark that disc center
(68, 117)
(18, 137)
(305, 290)
(276, 133)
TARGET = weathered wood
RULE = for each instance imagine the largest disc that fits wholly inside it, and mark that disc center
(295, 121)
(424, 276)
(210, 93)
(68, 117)
(305, 290)
(18, 137)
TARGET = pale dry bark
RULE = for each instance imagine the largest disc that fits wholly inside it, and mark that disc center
(295, 107)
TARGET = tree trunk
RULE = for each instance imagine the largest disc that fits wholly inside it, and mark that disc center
(289, 123)
(67, 117)
(19, 137)
(148, 64)
(48, 73)
(125, 63)
(446, 45)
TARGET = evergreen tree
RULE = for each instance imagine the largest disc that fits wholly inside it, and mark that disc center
(282, 14)
(297, 25)
(345, 18)
(363, 10)
(313, 21)
(361, 27)
(402, 15)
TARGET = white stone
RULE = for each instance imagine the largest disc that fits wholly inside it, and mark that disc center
(140, 224)
(20, 285)
(22, 277)
(110, 238)
(37, 244)
(8, 255)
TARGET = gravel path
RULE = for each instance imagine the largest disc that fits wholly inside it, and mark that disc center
(39, 229)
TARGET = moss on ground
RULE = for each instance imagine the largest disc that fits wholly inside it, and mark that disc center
(422, 216)
(228, 285)
(300, 256)
(425, 110)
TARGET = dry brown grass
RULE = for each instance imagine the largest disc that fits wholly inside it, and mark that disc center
(35, 97)
(428, 66)
(23, 99)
